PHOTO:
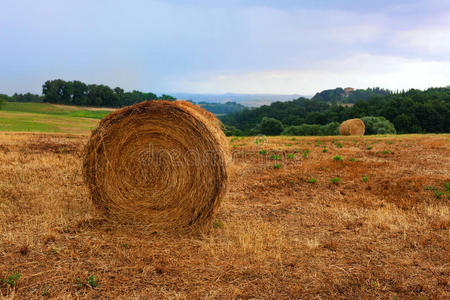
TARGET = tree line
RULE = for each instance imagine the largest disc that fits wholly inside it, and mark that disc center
(412, 111)
(79, 93)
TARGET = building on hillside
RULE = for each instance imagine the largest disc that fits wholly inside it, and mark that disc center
(348, 90)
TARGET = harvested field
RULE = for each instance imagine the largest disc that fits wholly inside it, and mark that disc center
(284, 230)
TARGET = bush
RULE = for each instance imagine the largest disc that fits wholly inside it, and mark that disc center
(271, 126)
(304, 129)
(378, 125)
(231, 131)
(312, 129)
(330, 129)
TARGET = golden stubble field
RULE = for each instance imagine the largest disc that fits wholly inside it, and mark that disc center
(278, 233)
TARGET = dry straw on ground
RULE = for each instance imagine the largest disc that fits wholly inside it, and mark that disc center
(158, 163)
(277, 235)
(352, 127)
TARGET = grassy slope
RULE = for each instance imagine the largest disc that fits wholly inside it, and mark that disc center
(43, 117)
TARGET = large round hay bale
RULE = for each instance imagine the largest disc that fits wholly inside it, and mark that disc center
(158, 163)
(352, 127)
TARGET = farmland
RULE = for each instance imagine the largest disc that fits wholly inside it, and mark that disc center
(305, 217)
(43, 117)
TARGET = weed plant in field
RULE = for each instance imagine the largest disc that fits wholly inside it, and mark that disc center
(335, 180)
(312, 180)
(11, 280)
(305, 153)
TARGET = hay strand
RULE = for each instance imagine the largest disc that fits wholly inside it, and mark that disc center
(158, 163)
(352, 127)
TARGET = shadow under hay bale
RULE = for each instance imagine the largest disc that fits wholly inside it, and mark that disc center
(352, 127)
(158, 163)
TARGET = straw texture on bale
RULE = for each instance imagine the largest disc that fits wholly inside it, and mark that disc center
(352, 127)
(158, 163)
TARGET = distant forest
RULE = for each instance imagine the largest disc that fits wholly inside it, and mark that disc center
(413, 111)
(79, 93)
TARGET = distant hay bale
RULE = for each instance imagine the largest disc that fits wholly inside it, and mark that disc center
(158, 163)
(352, 127)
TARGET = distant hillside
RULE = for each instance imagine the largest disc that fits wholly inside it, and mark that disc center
(349, 95)
(245, 99)
(221, 108)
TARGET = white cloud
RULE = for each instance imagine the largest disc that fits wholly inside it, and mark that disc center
(360, 71)
(433, 41)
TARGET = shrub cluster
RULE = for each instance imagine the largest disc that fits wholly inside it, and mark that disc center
(378, 125)
(312, 129)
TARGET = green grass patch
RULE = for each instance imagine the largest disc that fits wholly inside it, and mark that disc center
(59, 110)
(335, 180)
(305, 153)
(40, 117)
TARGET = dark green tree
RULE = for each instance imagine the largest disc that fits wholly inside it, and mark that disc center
(79, 93)
(6, 98)
(403, 123)
(53, 91)
(231, 131)
(271, 126)
(378, 125)
(28, 97)
(102, 95)
(167, 97)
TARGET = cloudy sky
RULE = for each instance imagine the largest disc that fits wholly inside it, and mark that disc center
(218, 46)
